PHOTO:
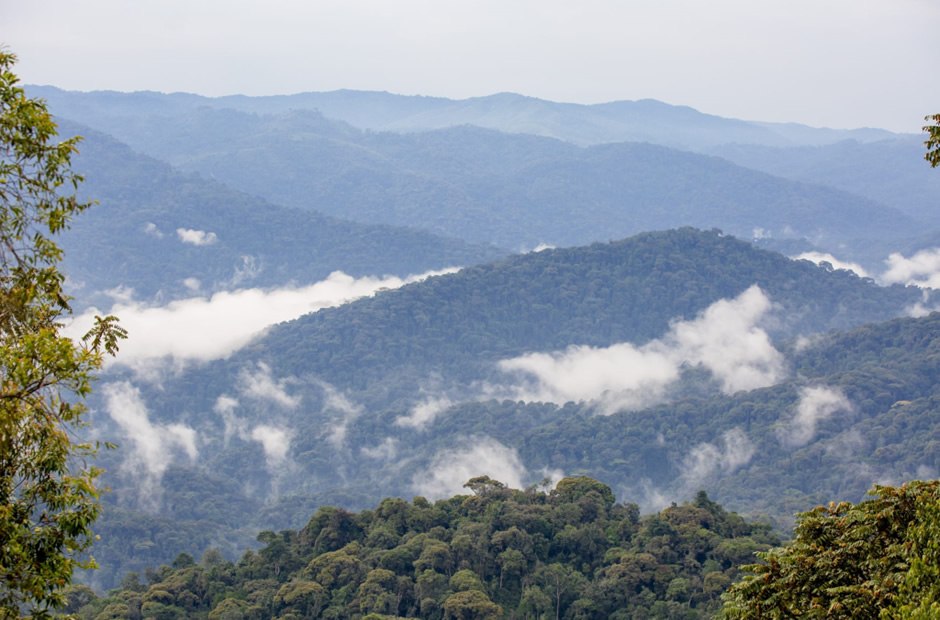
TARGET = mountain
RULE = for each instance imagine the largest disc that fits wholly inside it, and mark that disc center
(646, 120)
(155, 229)
(417, 389)
(487, 187)
(891, 171)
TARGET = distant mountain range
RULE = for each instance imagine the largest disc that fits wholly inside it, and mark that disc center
(646, 120)
(514, 191)
(132, 238)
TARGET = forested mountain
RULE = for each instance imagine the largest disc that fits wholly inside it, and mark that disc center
(889, 171)
(487, 187)
(647, 120)
(493, 552)
(155, 229)
(406, 392)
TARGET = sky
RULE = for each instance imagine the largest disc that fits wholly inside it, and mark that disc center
(825, 63)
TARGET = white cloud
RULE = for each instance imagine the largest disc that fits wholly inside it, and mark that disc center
(820, 257)
(725, 339)
(424, 412)
(922, 269)
(152, 446)
(192, 284)
(451, 469)
(815, 404)
(151, 229)
(706, 458)
(336, 401)
(385, 451)
(196, 237)
(203, 329)
(274, 440)
(261, 385)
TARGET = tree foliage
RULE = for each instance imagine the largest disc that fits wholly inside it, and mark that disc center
(500, 552)
(48, 497)
(877, 558)
(933, 140)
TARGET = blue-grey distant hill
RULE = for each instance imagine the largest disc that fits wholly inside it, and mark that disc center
(485, 186)
(130, 239)
(645, 120)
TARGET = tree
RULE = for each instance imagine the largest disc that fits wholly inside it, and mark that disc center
(874, 559)
(933, 140)
(48, 497)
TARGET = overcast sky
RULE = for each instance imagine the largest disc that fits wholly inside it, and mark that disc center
(835, 63)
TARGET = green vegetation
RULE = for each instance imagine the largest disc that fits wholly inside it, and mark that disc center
(878, 558)
(48, 497)
(933, 140)
(500, 552)
(449, 332)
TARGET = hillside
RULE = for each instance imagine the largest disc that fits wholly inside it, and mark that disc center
(418, 389)
(132, 238)
(486, 187)
(891, 172)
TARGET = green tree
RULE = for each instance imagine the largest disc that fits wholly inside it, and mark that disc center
(48, 498)
(869, 560)
(933, 140)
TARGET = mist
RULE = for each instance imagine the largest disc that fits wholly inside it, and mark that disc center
(725, 339)
(450, 469)
(201, 329)
(815, 405)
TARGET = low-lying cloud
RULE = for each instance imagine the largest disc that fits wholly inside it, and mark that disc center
(825, 257)
(203, 329)
(922, 269)
(815, 404)
(706, 459)
(260, 384)
(725, 339)
(196, 237)
(274, 440)
(152, 447)
(451, 469)
(422, 414)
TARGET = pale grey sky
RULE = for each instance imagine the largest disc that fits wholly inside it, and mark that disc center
(835, 63)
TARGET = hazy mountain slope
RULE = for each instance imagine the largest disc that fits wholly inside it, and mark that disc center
(892, 172)
(131, 237)
(312, 412)
(620, 121)
(514, 191)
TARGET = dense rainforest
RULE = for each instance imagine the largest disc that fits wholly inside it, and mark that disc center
(572, 552)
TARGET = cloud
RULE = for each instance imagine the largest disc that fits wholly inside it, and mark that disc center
(707, 458)
(424, 412)
(196, 237)
(203, 329)
(821, 257)
(153, 446)
(449, 470)
(261, 385)
(922, 269)
(725, 339)
(815, 404)
(192, 284)
(348, 411)
(151, 229)
(274, 440)
(385, 451)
